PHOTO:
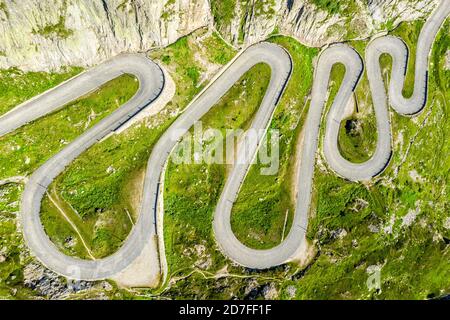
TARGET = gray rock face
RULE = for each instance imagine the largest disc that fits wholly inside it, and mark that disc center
(316, 27)
(381, 11)
(50, 285)
(44, 34)
(48, 34)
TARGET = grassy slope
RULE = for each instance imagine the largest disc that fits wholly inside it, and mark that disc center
(28, 147)
(23, 150)
(97, 184)
(192, 191)
(358, 133)
(223, 12)
(339, 270)
(106, 196)
(414, 257)
(11, 244)
(193, 257)
(260, 210)
(17, 86)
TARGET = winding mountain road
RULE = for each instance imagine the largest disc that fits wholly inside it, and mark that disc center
(151, 81)
(339, 53)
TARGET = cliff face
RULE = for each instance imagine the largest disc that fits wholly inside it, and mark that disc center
(47, 34)
(316, 25)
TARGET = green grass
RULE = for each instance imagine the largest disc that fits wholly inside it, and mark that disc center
(57, 30)
(29, 147)
(413, 258)
(4, 8)
(264, 8)
(358, 133)
(11, 246)
(218, 52)
(185, 70)
(345, 8)
(191, 190)
(409, 33)
(330, 6)
(60, 232)
(223, 13)
(24, 150)
(260, 211)
(97, 184)
(17, 86)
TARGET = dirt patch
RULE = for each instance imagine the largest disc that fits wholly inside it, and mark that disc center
(156, 106)
(304, 254)
(133, 192)
(145, 270)
(447, 60)
(297, 164)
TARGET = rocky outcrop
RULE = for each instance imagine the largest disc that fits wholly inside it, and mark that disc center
(316, 26)
(43, 34)
(50, 285)
(396, 11)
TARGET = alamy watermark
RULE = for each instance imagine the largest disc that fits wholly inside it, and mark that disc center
(228, 146)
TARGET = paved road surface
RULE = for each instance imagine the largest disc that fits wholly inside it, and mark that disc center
(151, 83)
